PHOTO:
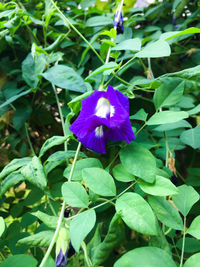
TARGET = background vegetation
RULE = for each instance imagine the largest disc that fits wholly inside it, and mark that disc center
(137, 205)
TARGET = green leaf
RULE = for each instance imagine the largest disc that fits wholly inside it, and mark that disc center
(20, 260)
(194, 110)
(191, 244)
(32, 67)
(139, 161)
(169, 93)
(98, 21)
(191, 137)
(34, 173)
(53, 141)
(121, 174)
(185, 199)
(2, 226)
(80, 165)
(129, 44)
(99, 181)
(194, 228)
(165, 212)
(136, 213)
(66, 78)
(114, 236)
(145, 256)
(75, 195)
(141, 115)
(41, 239)
(191, 30)
(172, 126)
(15, 97)
(193, 261)
(50, 221)
(161, 187)
(14, 165)
(11, 180)
(159, 48)
(80, 227)
(106, 67)
(164, 117)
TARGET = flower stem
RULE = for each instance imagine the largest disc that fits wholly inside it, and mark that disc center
(61, 213)
(77, 31)
(87, 259)
(183, 244)
(61, 114)
(29, 140)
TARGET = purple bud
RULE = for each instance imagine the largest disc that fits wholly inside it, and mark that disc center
(61, 259)
(118, 22)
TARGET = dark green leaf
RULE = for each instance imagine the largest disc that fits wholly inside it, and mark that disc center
(11, 180)
(66, 78)
(53, 141)
(41, 239)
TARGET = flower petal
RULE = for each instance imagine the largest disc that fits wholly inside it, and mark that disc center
(87, 120)
(119, 114)
(61, 259)
(122, 132)
(96, 140)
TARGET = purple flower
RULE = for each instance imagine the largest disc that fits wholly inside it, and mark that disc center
(61, 259)
(118, 22)
(104, 115)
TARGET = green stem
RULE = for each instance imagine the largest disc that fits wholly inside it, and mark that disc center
(140, 129)
(77, 31)
(29, 140)
(61, 114)
(61, 213)
(183, 244)
(149, 67)
(54, 236)
(87, 259)
(167, 150)
(51, 207)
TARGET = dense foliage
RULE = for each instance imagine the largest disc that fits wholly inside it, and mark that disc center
(137, 204)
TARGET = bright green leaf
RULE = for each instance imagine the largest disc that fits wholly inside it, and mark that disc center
(121, 174)
(136, 213)
(139, 161)
(159, 48)
(165, 212)
(80, 227)
(2, 226)
(161, 187)
(191, 137)
(109, 66)
(20, 260)
(75, 195)
(164, 117)
(53, 141)
(130, 44)
(185, 199)
(193, 261)
(99, 181)
(169, 93)
(145, 256)
(194, 228)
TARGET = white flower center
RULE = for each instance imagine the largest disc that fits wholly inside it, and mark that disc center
(99, 131)
(104, 108)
